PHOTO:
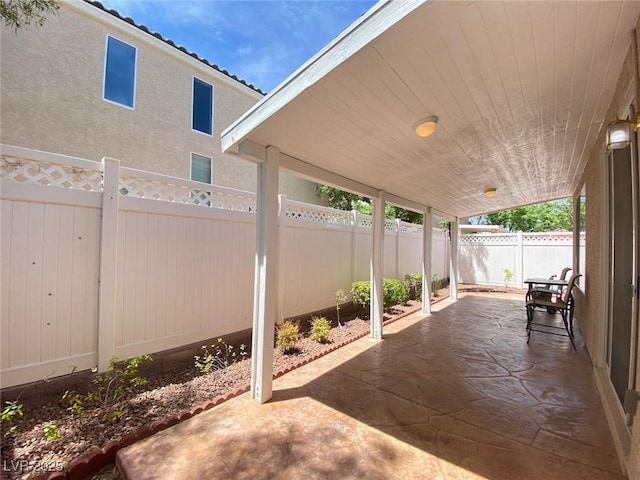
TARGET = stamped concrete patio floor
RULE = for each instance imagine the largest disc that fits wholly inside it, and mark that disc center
(457, 395)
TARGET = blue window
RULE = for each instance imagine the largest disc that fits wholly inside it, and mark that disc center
(120, 72)
(202, 109)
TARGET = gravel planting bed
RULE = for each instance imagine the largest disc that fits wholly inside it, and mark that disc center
(26, 453)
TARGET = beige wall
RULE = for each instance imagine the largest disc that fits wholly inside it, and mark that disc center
(51, 99)
(591, 302)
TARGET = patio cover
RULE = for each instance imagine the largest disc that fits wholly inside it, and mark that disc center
(521, 90)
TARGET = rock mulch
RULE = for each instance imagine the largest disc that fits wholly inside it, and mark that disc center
(27, 454)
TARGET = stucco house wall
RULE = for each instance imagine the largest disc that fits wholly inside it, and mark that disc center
(51, 96)
(591, 301)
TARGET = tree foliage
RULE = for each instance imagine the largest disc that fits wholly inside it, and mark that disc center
(20, 13)
(541, 217)
(342, 200)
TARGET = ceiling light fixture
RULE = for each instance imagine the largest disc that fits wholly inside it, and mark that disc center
(619, 132)
(490, 192)
(425, 126)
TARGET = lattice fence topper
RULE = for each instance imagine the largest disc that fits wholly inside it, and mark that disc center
(168, 192)
(553, 237)
(310, 213)
(473, 238)
(365, 221)
(50, 174)
(390, 225)
(410, 228)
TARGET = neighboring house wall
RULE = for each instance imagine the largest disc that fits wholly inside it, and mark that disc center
(51, 95)
(591, 299)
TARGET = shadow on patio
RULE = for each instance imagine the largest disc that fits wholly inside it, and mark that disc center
(456, 395)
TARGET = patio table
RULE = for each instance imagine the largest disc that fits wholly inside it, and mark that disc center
(552, 282)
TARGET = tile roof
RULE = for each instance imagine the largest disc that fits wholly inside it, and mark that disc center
(171, 43)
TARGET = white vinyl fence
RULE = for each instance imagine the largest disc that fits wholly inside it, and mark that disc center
(100, 260)
(483, 257)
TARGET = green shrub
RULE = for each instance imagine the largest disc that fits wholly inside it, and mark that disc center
(361, 293)
(288, 336)
(394, 292)
(414, 282)
(320, 328)
(436, 284)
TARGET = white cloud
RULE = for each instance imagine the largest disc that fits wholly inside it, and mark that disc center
(261, 42)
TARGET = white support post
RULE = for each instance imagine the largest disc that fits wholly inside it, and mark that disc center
(354, 246)
(108, 262)
(453, 272)
(397, 259)
(576, 233)
(266, 278)
(377, 265)
(427, 248)
(520, 261)
(282, 227)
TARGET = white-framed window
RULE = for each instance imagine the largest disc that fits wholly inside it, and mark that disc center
(201, 168)
(119, 72)
(202, 107)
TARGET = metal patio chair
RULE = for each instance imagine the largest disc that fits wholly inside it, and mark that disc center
(562, 303)
(549, 291)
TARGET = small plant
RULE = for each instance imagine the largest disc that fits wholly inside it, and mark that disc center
(361, 293)
(414, 282)
(76, 401)
(51, 432)
(288, 336)
(508, 276)
(123, 379)
(320, 328)
(436, 284)
(110, 387)
(11, 412)
(341, 297)
(118, 412)
(221, 356)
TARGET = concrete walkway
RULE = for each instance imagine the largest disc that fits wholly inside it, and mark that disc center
(457, 395)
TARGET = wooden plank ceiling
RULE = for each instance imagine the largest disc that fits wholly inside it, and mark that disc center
(521, 90)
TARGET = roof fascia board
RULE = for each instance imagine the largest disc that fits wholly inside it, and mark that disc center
(113, 22)
(257, 153)
(406, 204)
(444, 215)
(359, 34)
(316, 174)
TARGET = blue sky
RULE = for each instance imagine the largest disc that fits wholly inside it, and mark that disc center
(261, 42)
